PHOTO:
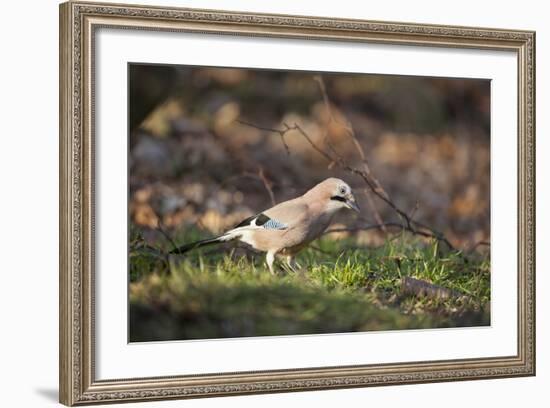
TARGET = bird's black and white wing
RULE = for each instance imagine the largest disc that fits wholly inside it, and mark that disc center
(262, 221)
(254, 223)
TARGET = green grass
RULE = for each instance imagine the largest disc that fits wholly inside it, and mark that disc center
(222, 292)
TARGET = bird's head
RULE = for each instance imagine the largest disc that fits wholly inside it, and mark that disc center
(337, 193)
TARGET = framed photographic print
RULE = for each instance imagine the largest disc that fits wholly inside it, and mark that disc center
(258, 203)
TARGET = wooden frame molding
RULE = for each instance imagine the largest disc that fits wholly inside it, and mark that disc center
(78, 22)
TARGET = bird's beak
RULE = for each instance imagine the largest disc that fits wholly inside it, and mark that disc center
(351, 203)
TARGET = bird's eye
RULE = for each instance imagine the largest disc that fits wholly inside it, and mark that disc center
(342, 190)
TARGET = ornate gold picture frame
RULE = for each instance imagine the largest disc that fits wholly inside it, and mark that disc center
(78, 25)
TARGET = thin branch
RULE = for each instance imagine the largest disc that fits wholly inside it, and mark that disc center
(396, 225)
(280, 132)
(414, 210)
(267, 185)
(160, 229)
(167, 236)
(375, 212)
(350, 131)
(260, 176)
(273, 130)
(365, 227)
(408, 224)
(366, 174)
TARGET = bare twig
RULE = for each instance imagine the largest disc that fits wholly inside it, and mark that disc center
(408, 224)
(167, 236)
(414, 210)
(351, 133)
(267, 185)
(395, 225)
(375, 212)
(280, 132)
(160, 229)
(365, 227)
(260, 176)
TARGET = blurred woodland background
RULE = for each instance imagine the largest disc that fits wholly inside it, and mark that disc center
(212, 146)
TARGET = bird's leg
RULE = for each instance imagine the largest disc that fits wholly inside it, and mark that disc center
(294, 265)
(291, 263)
(269, 258)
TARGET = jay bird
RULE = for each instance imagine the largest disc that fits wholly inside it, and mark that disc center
(288, 227)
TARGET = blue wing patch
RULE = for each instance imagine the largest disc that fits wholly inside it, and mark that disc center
(274, 224)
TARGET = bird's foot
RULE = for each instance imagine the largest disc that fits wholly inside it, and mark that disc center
(292, 265)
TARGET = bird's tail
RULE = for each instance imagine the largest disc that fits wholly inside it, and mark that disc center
(205, 242)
